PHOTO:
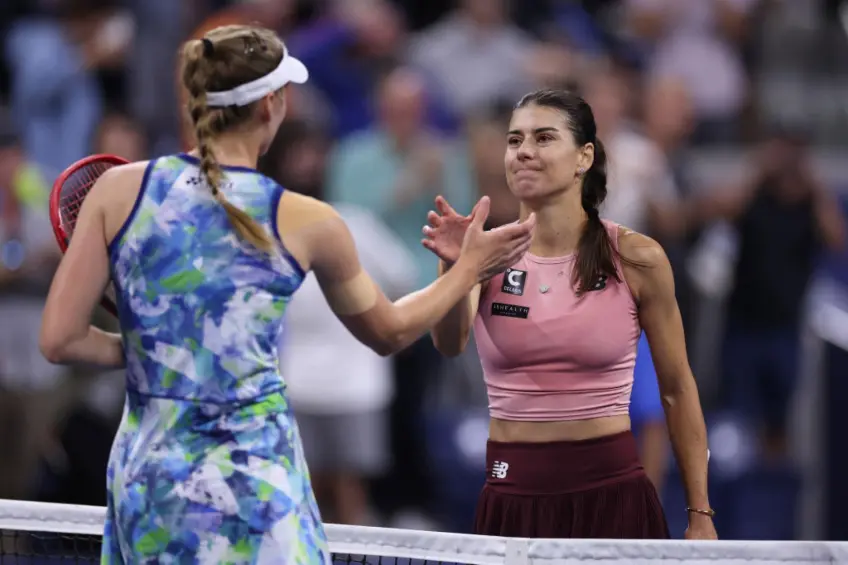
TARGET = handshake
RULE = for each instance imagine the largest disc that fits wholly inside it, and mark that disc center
(455, 238)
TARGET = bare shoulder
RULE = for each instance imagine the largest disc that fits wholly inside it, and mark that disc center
(130, 170)
(310, 228)
(644, 264)
(121, 177)
(298, 211)
(115, 194)
(640, 249)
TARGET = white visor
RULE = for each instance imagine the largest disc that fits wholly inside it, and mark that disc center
(289, 70)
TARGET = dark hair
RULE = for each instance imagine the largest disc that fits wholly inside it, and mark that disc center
(224, 58)
(292, 134)
(119, 119)
(499, 111)
(595, 252)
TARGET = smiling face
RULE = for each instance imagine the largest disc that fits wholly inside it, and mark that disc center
(542, 157)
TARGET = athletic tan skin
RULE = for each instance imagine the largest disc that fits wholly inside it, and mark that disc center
(312, 232)
(650, 280)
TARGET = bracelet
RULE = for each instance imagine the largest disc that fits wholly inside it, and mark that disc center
(708, 512)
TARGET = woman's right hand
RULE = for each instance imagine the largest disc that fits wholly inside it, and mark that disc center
(491, 252)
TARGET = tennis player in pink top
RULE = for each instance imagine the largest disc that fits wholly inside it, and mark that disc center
(557, 335)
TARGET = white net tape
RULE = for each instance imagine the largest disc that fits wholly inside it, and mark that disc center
(388, 546)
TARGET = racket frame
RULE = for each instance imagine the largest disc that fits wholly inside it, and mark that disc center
(62, 237)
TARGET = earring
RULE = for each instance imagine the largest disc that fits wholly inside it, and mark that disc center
(580, 172)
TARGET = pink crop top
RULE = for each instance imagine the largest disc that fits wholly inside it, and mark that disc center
(550, 356)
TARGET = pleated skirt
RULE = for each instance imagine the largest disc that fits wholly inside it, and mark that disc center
(592, 488)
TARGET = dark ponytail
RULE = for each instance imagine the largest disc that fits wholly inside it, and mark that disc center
(596, 255)
(595, 252)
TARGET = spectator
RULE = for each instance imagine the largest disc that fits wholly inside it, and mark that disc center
(347, 51)
(157, 28)
(667, 114)
(340, 389)
(642, 192)
(487, 144)
(55, 97)
(668, 121)
(118, 134)
(476, 55)
(31, 400)
(395, 169)
(783, 217)
(699, 42)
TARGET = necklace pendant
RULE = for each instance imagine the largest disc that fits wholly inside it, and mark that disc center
(544, 288)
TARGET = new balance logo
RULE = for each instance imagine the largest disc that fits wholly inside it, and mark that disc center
(499, 469)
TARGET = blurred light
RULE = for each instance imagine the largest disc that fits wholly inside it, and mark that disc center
(471, 437)
(732, 446)
(12, 255)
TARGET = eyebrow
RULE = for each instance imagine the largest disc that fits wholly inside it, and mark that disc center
(537, 130)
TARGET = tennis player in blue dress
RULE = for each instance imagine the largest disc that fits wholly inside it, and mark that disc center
(204, 254)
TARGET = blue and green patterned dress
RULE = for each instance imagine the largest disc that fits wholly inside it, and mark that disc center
(207, 466)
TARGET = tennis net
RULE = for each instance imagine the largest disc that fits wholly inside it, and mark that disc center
(34, 533)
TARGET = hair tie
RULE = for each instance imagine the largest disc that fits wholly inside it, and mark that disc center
(208, 47)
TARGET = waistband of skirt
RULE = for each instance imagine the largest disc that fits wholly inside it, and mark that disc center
(561, 467)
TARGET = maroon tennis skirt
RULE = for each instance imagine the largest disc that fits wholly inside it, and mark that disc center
(593, 488)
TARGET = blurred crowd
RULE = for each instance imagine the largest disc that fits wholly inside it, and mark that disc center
(408, 99)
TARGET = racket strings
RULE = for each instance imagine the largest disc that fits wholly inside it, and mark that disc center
(74, 190)
(66, 198)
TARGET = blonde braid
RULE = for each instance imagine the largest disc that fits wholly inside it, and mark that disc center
(197, 69)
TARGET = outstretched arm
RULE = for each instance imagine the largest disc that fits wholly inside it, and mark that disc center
(359, 303)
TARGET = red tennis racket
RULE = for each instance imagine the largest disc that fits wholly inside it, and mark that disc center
(66, 198)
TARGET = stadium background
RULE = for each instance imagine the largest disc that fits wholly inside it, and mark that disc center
(706, 91)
